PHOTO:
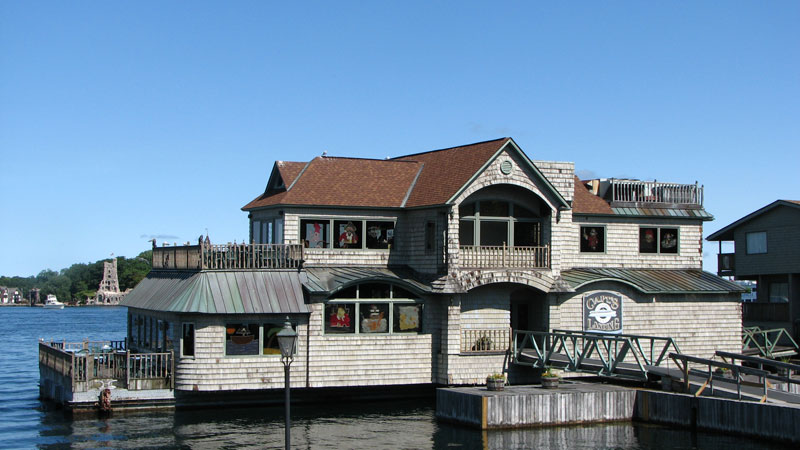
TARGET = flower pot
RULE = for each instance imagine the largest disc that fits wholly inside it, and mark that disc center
(550, 382)
(493, 384)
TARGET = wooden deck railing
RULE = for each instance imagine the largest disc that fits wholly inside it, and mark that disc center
(228, 257)
(504, 257)
(87, 368)
(485, 340)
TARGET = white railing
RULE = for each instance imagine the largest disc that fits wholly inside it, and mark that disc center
(655, 192)
(488, 340)
(504, 257)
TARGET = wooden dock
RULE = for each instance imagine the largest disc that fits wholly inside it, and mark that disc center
(530, 406)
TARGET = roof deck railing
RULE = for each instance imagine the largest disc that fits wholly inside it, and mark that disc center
(635, 191)
(228, 257)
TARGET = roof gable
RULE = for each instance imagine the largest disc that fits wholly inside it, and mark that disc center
(726, 234)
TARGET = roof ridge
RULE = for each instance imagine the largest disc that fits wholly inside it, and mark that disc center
(450, 148)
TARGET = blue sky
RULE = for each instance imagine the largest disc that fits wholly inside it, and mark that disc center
(123, 121)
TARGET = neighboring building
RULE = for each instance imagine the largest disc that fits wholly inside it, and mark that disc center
(108, 292)
(767, 251)
(414, 270)
(10, 295)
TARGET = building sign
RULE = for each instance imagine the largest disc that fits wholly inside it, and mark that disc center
(602, 312)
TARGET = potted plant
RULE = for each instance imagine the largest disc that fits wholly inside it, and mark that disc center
(495, 382)
(550, 379)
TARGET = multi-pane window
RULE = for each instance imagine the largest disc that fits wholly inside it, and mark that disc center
(658, 240)
(373, 308)
(347, 233)
(593, 239)
(497, 223)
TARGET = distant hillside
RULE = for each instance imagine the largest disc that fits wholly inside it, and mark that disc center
(81, 280)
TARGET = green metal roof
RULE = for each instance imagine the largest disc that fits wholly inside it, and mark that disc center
(655, 281)
(681, 213)
(220, 292)
(327, 280)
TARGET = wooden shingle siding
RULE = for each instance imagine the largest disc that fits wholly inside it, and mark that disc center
(699, 326)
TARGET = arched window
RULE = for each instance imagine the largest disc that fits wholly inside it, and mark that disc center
(498, 222)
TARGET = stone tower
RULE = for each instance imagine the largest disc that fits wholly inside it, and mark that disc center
(108, 292)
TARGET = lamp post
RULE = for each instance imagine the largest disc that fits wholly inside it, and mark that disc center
(287, 338)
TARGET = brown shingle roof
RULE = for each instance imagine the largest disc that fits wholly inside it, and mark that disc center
(585, 202)
(289, 170)
(346, 182)
(448, 170)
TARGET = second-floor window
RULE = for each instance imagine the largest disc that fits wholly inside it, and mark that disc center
(347, 233)
(756, 242)
(658, 240)
(497, 223)
(593, 239)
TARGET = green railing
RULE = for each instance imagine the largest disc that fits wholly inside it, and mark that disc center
(769, 343)
(599, 353)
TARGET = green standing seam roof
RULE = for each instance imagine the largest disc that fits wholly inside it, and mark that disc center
(662, 212)
(220, 292)
(655, 281)
(330, 280)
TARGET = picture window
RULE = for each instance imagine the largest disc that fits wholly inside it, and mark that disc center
(593, 239)
(241, 339)
(756, 242)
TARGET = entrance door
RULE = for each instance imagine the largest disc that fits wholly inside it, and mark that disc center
(529, 310)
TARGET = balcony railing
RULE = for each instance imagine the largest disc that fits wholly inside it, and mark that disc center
(635, 191)
(485, 340)
(504, 257)
(90, 365)
(726, 264)
(229, 257)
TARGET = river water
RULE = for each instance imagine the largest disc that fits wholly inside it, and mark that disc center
(25, 422)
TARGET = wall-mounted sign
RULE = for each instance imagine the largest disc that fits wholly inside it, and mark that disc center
(602, 312)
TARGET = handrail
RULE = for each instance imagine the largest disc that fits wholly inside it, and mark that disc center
(578, 348)
(637, 339)
(735, 369)
(766, 341)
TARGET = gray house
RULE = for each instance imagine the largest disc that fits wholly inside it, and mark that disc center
(413, 271)
(767, 250)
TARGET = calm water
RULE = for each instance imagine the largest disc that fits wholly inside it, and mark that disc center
(25, 422)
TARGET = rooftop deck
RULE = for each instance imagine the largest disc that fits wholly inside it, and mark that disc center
(228, 257)
(654, 192)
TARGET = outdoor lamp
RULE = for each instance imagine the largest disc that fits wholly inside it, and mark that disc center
(287, 338)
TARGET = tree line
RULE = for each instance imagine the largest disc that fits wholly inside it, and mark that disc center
(80, 281)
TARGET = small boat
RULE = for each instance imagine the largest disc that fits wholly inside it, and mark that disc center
(53, 303)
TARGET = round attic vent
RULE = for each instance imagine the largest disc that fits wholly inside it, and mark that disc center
(506, 167)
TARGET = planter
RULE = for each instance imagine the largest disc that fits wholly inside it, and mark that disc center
(550, 382)
(495, 384)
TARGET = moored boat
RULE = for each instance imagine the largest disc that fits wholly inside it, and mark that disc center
(53, 303)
